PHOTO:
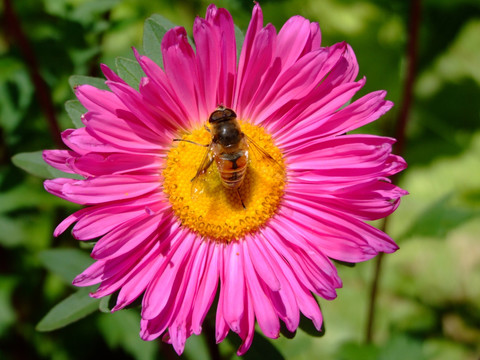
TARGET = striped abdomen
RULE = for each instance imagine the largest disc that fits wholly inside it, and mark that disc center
(232, 168)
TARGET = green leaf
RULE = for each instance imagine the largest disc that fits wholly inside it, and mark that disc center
(154, 29)
(239, 39)
(105, 306)
(120, 329)
(7, 311)
(87, 11)
(401, 347)
(12, 233)
(27, 196)
(77, 80)
(441, 217)
(33, 163)
(66, 263)
(129, 70)
(71, 309)
(352, 350)
(75, 110)
(196, 348)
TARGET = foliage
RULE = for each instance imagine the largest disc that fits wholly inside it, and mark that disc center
(429, 300)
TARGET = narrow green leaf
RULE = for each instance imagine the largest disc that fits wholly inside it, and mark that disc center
(129, 70)
(77, 80)
(75, 110)
(239, 39)
(66, 263)
(71, 309)
(33, 163)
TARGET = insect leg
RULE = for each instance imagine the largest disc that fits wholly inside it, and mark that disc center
(240, 197)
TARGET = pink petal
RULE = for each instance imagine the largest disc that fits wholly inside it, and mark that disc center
(223, 25)
(82, 141)
(207, 289)
(264, 311)
(260, 58)
(59, 159)
(102, 189)
(97, 164)
(234, 282)
(180, 68)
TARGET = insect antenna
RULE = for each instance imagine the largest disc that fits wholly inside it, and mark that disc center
(192, 142)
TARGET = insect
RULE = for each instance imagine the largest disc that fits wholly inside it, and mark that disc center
(229, 149)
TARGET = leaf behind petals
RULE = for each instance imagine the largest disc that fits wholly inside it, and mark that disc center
(75, 110)
(129, 70)
(154, 29)
(33, 163)
(77, 80)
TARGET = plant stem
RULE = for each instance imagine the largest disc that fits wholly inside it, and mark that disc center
(401, 125)
(14, 29)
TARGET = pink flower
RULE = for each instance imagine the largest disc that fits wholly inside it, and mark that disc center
(178, 250)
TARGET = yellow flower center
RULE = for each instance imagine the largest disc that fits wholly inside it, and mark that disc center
(213, 211)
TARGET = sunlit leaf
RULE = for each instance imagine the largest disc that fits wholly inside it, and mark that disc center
(77, 80)
(440, 218)
(352, 350)
(155, 28)
(75, 110)
(239, 38)
(70, 310)
(129, 70)
(401, 347)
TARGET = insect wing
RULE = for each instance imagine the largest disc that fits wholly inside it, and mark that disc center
(261, 155)
(199, 180)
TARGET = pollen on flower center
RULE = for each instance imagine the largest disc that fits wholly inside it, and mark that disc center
(216, 212)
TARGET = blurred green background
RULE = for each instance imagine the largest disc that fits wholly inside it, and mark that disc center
(429, 295)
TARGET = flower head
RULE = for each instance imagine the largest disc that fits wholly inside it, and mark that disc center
(261, 224)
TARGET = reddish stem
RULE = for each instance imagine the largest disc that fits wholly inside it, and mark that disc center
(14, 30)
(402, 120)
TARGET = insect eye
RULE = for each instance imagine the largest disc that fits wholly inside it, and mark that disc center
(230, 113)
(216, 115)
(221, 114)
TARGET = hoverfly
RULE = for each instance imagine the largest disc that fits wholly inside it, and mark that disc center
(229, 149)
